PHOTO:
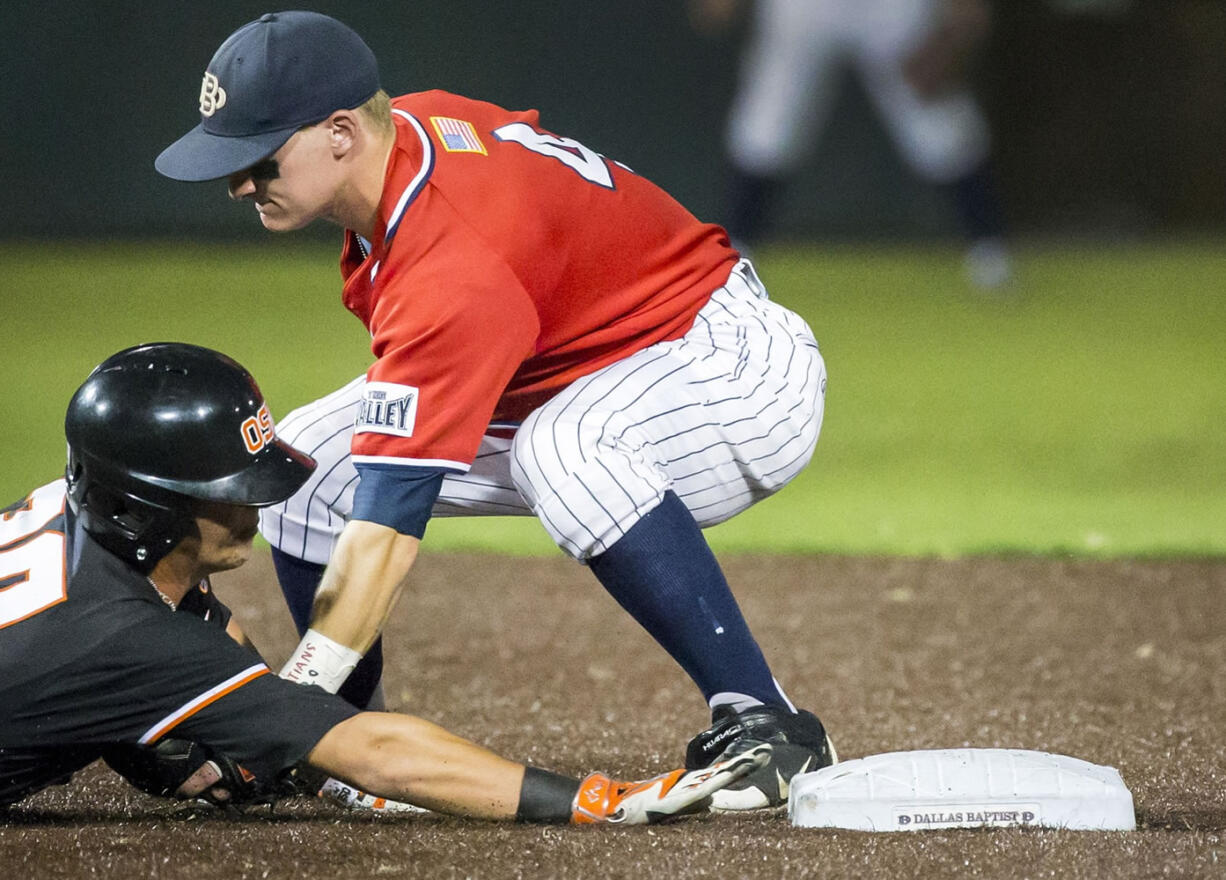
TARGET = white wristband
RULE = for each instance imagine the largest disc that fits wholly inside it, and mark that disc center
(321, 661)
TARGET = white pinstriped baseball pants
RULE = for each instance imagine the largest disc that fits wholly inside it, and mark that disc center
(723, 417)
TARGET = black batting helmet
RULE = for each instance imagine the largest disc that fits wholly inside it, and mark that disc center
(157, 427)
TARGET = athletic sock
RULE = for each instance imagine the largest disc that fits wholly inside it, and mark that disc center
(751, 202)
(299, 580)
(664, 574)
(979, 210)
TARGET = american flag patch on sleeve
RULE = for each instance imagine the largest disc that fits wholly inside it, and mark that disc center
(457, 136)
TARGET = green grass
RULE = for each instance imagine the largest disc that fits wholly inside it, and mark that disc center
(1082, 413)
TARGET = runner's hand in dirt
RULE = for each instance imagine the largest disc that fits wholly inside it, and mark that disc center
(185, 770)
(602, 800)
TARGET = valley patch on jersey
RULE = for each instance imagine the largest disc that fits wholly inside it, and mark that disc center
(387, 408)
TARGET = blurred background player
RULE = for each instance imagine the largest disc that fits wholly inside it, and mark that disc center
(554, 336)
(112, 643)
(911, 57)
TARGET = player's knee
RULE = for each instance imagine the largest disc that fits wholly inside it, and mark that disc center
(587, 500)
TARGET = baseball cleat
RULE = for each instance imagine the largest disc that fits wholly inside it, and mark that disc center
(601, 800)
(799, 743)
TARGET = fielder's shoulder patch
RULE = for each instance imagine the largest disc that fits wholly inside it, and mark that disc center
(387, 408)
(457, 135)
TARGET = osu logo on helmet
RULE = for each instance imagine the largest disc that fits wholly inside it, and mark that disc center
(257, 430)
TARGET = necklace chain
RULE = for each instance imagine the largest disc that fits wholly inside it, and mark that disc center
(170, 603)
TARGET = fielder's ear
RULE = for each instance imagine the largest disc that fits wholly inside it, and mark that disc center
(343, 132)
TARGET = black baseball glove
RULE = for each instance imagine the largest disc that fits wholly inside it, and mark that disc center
(186, 770)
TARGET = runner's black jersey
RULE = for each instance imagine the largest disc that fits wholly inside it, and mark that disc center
(91, 656)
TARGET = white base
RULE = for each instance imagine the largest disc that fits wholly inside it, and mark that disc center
(962, 788)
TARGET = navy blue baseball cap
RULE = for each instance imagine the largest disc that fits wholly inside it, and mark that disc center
(270, 77)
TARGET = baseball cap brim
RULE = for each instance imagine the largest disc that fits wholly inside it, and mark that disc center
(199, 155)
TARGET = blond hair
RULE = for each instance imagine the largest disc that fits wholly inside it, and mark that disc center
(378, 112)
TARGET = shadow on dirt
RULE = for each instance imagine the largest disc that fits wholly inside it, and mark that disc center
(1182, 820)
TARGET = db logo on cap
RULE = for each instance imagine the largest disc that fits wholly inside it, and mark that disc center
(212, 95)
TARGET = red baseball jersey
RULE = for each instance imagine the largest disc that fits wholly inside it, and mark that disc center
(507, 262)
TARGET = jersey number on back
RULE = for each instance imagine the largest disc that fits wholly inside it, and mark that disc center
(588, 164)
(32, 575)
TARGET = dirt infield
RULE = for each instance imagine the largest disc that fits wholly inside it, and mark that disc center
(1116, 663)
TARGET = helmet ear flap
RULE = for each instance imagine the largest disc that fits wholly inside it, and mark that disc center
(123, 516)
(139, 531)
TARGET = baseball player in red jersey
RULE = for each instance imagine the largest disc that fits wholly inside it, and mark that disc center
(554, 335)
(112, 644)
